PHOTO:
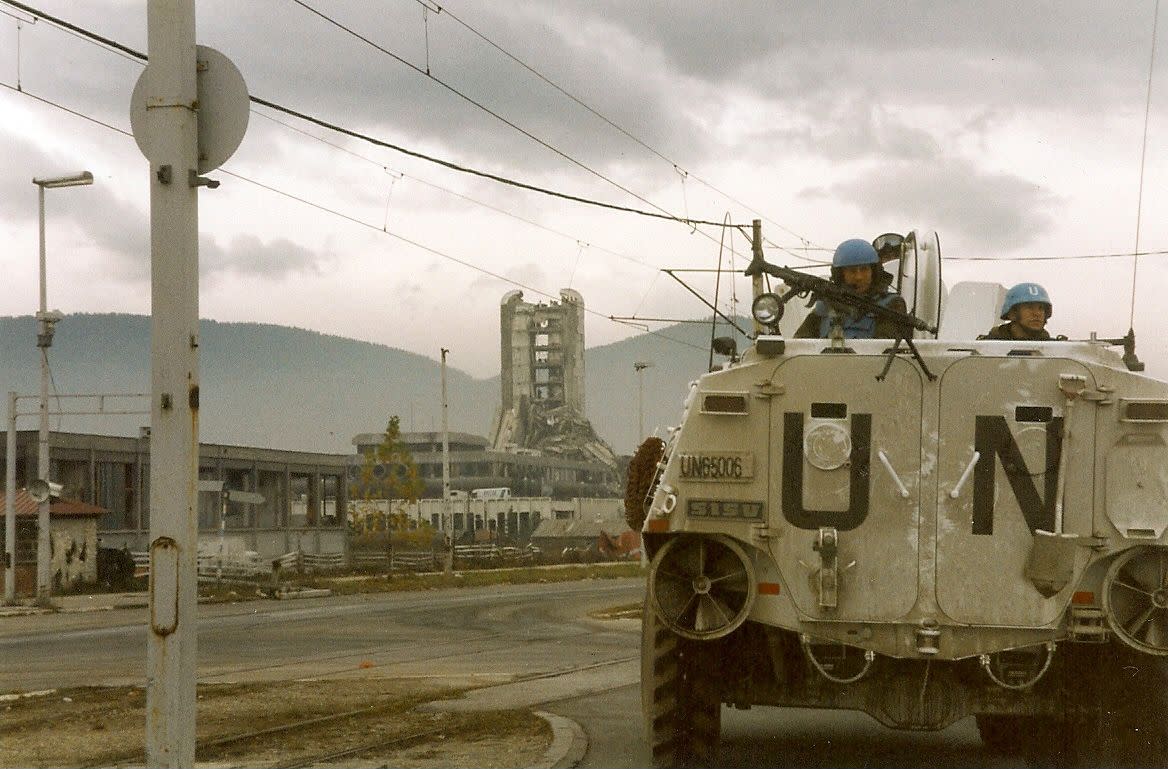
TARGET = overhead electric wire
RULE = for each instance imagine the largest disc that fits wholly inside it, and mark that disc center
(272, 105)
(350, 31)
(580, 102)
(453, 193)
(473, 171)
(355, 220)
(1057, 258)
(118, 47)
(76, 30)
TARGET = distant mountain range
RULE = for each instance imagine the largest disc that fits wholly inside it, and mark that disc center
(289, 388)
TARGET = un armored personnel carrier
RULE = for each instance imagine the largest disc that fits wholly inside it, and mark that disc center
(921, 529)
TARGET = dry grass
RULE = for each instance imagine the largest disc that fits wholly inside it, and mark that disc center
(103, 726)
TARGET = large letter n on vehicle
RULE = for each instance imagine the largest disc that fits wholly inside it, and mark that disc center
(993, 439)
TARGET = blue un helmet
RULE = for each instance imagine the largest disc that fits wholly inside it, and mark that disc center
(854, 253)
(1024, 293)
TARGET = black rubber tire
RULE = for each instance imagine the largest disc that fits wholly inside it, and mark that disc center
(680, 700)
(641, 481)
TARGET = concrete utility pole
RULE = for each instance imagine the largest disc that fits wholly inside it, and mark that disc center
(447, 518)
(172, 127)
(46, 322)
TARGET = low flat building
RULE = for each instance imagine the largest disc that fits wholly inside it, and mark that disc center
(473, 465)
(305, 494)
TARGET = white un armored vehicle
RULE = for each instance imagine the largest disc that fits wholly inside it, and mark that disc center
(922, 530)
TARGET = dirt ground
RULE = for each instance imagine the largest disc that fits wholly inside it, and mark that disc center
(105, 727)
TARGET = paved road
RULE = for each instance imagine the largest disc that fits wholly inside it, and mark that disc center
(472, 635)
(517, 637)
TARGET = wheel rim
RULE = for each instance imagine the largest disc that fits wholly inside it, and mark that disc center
(1135, 599)
(702, 587)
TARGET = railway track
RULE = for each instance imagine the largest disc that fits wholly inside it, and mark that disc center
(242, 744)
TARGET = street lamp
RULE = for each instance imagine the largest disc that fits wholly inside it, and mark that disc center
(46, 321)
(640, 367)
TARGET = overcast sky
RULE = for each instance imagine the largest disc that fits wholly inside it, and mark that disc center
(1012, 129)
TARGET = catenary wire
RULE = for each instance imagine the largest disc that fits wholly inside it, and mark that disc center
(589, 108)
(120, 48)
(584, 166)
(94, 37)
(453, 193)
(355, 220)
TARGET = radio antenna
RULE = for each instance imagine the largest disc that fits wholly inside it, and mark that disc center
(1143, 155)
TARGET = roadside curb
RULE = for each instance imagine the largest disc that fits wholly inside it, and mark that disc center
(569, 743)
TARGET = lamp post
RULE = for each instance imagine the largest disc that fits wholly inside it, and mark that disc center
(447, 518)
(640, 367)
(46, 321)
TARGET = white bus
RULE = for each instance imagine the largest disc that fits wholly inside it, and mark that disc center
(500, 492)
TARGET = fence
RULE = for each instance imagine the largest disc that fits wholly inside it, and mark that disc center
(482, 556)
(248, 565)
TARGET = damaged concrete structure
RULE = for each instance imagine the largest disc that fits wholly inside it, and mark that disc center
(542, 408)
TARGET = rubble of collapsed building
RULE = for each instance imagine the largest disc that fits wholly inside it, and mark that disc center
(558, 431)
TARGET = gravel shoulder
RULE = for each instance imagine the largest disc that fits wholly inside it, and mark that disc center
(104, 726)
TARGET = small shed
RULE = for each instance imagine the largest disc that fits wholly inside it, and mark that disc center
(72, 542)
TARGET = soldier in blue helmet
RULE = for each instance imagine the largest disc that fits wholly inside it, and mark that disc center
(1026, 309)
(855, 265)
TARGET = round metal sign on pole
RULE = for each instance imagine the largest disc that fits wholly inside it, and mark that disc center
(223, 109)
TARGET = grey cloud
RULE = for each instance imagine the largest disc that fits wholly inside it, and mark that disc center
(113, 224)
(994, 210)
(248, 255)
(851, 130)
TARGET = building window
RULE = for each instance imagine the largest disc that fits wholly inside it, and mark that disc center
(238, 514)
(115, 492)
(302, 495)
(271, 487)
(331, 496)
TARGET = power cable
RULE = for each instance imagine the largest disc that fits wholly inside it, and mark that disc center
(350, 31)
(355, 220)
(628, 134)
(473, 171)
(118, 47)
(1068, 257)
(451, 192)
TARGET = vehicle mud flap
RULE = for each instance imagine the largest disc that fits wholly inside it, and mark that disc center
(680, 698)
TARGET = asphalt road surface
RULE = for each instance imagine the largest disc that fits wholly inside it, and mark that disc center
(470, 636)
(473, 635)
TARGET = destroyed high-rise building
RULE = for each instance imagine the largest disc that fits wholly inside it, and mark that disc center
(542, 351)
(542, 380)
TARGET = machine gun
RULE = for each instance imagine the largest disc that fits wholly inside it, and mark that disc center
(802, 284)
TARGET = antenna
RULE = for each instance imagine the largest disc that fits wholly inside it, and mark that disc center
(1143, 155)
(717, 288)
